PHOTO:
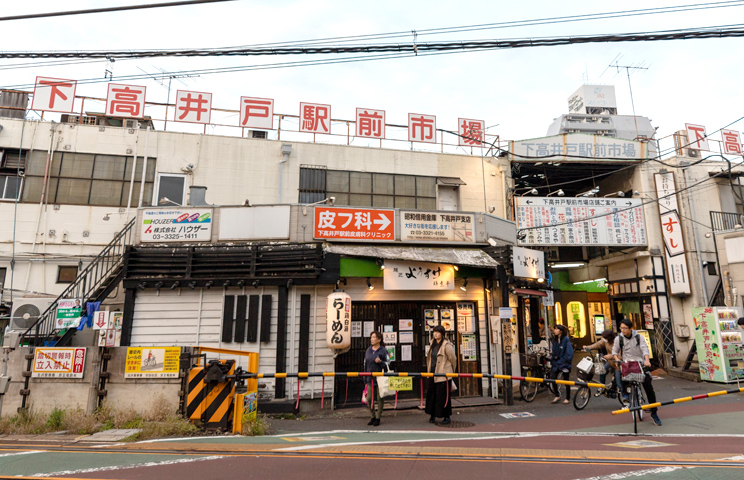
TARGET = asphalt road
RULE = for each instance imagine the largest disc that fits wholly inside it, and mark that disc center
(701, 439)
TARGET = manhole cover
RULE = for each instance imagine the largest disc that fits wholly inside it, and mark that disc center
(455, 424)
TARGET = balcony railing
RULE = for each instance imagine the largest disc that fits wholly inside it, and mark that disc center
(722, 221)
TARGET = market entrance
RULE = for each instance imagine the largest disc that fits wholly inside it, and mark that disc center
(409, 325)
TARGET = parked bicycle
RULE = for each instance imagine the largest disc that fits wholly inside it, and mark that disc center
(584, 394)
(536, 364)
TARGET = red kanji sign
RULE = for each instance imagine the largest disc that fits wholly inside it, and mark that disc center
(731, 145)
(361, 224)
(193, 107)
(697, 139)
(315, 118)
(370, 123)
(125, 100)
(257, 112)
(422, 128)
(54, 95)
(471, 131)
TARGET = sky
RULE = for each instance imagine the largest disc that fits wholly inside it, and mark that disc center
(518, 91)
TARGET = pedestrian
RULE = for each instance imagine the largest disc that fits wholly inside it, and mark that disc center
(630, 346)
(375, 360)
(604, 345)
(440, 359)
(561, 360)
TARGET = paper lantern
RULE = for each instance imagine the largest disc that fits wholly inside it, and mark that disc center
(338, 322)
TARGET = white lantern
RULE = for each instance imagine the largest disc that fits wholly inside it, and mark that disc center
(338, 322)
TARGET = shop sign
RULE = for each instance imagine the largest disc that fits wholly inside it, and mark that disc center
(580, 147)
(58, 362)
(417, 226)
(162, 225)
(549, 299)
(508, 328)
(338, 322)
(356, 224)
(152, 362)
(69, 312)
(671, 231)
(101, 320)
(399, 275)
(581, 221)
(528, 263)
(400, 384)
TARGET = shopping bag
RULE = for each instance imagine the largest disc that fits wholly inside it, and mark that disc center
(599, 368)
(384, 388)
(364, 396)
(632, 371)
(453, 386)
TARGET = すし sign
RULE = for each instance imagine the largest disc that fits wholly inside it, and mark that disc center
(152, 362)
(338, 322)
(58, 363)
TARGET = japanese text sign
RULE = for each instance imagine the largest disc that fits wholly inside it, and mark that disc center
(581, 221)
(731, 145)
(696, 137)
(422, 128)
(58, 362)
(338, 322)
(370, 123)
(528, 263)
(677, 271)
(125, 100)
(400, 275)
(315, 118)
(152, 362)
(672, 232)
(102, 321)
(54, 95)
(193, 107)
(69, 312)
(576, 147)
(470, 132)
(176, 225)
(354, 224)
(257, 112)
(436, 227)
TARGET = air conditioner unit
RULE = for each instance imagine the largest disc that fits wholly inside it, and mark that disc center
(682, 331)
(130, 123)
(27, 310)
(692, 153)
(260, 134)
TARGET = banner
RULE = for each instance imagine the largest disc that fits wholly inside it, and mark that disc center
(69, 312)
(58, 362)
(152, 362)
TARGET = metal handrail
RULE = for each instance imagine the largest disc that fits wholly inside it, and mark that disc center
(86, 282)
(722, 221)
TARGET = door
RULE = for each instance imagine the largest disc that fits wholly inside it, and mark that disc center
(449, 198)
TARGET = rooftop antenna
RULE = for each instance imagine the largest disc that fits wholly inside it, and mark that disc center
(109, 72)
(628, 68)
(160, 79)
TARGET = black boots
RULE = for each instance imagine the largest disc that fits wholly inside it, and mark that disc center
(372, 422)
(446, 421)
(376, 422)
(432, 420)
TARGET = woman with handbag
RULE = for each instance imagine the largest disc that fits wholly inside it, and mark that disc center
(562, 359)
(440, 359)
(604, 345)
(374, 361)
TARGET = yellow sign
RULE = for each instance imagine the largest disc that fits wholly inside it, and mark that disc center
(400, 384)
(152, 362)
(645, 335)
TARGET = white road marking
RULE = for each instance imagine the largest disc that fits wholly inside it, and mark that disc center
(638, 473)
(21, 453)
(122, 467)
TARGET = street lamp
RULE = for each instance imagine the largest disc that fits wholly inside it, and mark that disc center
(530, 192)
(558, 192)
(328, 200)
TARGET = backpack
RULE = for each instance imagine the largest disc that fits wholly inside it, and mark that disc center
(638, 342)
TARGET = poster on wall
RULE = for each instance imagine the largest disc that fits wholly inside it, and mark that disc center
(369, 327)
(406, 337)
(58, 362)
(356, 329)
(391, 352)
(152, 362)
(465, 320)
(448, 319)
(405, 325)
(495, 324)
(390, 338)
(468, 348)
(405, 353)
(508, 328)
(68, 313)
(431, 319)
(648, 316)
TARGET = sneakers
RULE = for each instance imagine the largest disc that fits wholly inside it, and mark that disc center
(656, 419)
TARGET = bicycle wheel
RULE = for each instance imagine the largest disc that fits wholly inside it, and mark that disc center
(641, 400)
(528, 390)
(582, 397)
(634, 402)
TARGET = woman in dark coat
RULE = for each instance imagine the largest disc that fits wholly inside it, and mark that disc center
(440, 359)
(374, 361)
(562, 359)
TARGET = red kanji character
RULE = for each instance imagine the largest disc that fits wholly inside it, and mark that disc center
(193, 105)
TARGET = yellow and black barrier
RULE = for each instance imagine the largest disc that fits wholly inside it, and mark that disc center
(678, 400)
(210, 394)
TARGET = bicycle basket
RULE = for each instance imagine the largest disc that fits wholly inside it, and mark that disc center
(585, 376)
(632, 372)
(529, 360)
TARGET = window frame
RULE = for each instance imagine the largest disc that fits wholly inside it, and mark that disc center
(59, 273)
(155, 202)
(5, 187)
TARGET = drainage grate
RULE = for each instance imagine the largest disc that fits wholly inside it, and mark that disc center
(455, 424)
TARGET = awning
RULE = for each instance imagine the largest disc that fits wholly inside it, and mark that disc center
(451, 181)
(472, 257)
(529, 291)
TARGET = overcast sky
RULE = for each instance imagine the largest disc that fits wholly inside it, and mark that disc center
(521, 90)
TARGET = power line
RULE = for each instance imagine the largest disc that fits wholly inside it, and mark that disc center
(720, 31)
(110, 9)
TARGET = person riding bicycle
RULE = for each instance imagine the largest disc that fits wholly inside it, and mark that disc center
(604, 345)
(631, 346)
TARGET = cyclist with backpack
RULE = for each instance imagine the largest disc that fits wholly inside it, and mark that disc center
(630, 346)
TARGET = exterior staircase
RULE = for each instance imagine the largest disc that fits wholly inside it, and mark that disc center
(97, 280)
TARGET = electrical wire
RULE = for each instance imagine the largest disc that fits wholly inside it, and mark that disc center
(107, 10)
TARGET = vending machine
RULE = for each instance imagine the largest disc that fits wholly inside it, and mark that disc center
(720, 343)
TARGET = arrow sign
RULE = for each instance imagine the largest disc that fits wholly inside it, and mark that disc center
(100, 320)
(529, 202)
(383, 221)
(629, 203)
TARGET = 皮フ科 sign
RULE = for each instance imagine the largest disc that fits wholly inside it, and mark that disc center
(360, 224)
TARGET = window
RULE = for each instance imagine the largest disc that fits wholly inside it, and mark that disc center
(364, 189)
(171, 189)
(10, 185)
(67, 273)
(87, 179)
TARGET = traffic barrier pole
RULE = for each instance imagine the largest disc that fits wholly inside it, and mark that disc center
(678, 400)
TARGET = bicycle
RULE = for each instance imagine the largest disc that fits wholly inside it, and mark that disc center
(636, 393)
(584, 394)
(536, 364)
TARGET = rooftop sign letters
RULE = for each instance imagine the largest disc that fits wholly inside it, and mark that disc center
(581, 221)
(570, 146)
(354, 224)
